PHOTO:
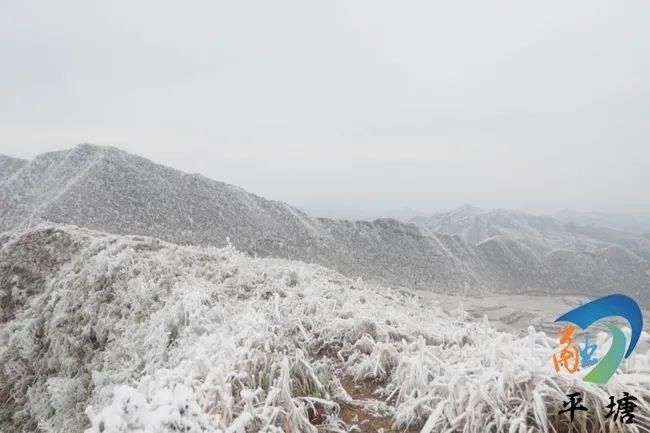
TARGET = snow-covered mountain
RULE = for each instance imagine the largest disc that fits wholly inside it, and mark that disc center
(112, 334)
(563, 228)
(466, 251)
(538, 251)
(106, 189)
(475, 226)
(9, 165)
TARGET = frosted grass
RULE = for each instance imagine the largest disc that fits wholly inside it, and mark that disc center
(134, 335)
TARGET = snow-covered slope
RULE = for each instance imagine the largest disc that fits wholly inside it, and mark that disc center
(102, 333)
(465, 252)
(525, 252)
(9, 166)
(475, 226)
(106, 189)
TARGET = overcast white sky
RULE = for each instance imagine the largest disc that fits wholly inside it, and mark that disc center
(370, 105)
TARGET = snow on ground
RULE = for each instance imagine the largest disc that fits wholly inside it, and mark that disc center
(104, 333)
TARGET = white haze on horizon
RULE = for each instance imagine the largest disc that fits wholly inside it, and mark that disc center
(363, 105)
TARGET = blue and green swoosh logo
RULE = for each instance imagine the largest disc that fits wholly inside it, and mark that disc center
(609, 306)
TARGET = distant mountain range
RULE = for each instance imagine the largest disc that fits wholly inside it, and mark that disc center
(464, 251)
(477, 226)
(617, 221)
(601, 219)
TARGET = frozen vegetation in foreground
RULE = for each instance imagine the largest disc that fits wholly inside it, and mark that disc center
(103, 333)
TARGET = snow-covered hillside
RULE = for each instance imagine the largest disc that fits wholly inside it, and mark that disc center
(9, 165)
(475, 226)
(539, 254)
(106, 189)
(102, 333)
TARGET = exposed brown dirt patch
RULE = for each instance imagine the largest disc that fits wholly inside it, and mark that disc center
(364, 390)
(358, 413)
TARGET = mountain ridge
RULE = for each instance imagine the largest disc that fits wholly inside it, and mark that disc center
(107, 189)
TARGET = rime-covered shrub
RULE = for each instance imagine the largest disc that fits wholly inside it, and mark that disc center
(133, 335)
